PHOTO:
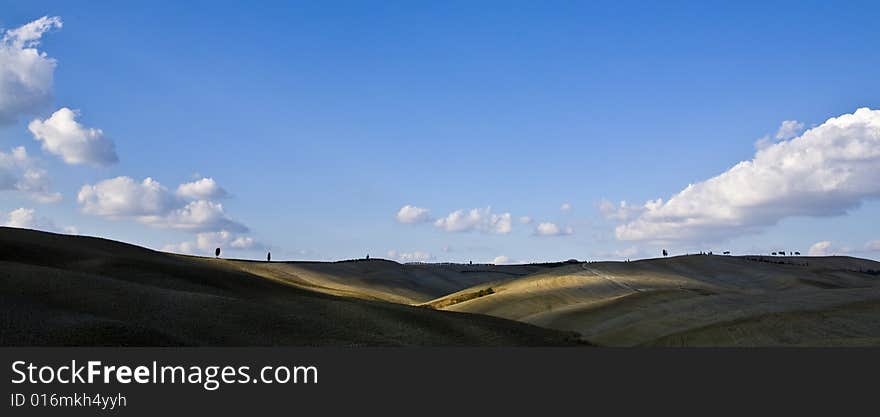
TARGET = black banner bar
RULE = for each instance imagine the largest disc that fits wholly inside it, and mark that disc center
(413, 381)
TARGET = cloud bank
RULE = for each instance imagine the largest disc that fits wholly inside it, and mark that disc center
(826, 171)
(149, 202)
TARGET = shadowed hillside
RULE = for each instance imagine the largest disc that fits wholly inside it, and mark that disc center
(71, 290)
(694, 301)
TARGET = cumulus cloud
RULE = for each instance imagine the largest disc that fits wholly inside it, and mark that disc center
(124, 197)
(621, 211)
(186, 248)
(822, 248)
(479, 219)
(411, 214)
(26, 74)
(417, 256)
(21, 217)
(244, 242)
(196, 215)
(789, 129)
(63, 136)
(826, 171)
(26, 218)
(206, 242)
(503, 260)
(19, 172)
(565, 207)
(551, 229)
(525, 220)
(151, 203)
(202, 189)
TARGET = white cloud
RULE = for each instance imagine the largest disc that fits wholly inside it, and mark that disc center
(21, 218)
(417, 256)
(501, 260)
(551, 229)
(475, 219)
(873, 246)
(206, 242)
(822, 248)
(411, 214)
(187, 248)
(26, 218)
(525, 220)
(199, 215)
(789, 129)
(212, 240)
(243, 242)
(26, 74)
(151, 203)
(18, 172)
(124, 197)
(565, 207)
(621, 212)
(63, 136)
(824, 172)
(202, 189)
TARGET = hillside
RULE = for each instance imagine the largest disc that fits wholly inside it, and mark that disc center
(694, 301)
(72, 290)
(379, 279)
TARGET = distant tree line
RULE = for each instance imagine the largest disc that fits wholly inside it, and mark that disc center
(774, 261)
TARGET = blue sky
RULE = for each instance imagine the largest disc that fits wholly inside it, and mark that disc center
(321, 121)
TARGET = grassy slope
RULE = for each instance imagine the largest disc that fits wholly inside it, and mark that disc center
(379, 279)
(696, 301)
(66, 290)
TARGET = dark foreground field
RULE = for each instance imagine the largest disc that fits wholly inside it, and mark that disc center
(71, 290)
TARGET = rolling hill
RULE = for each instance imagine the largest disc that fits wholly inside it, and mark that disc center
(379, 279)
(73, 290)
(696, 300)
